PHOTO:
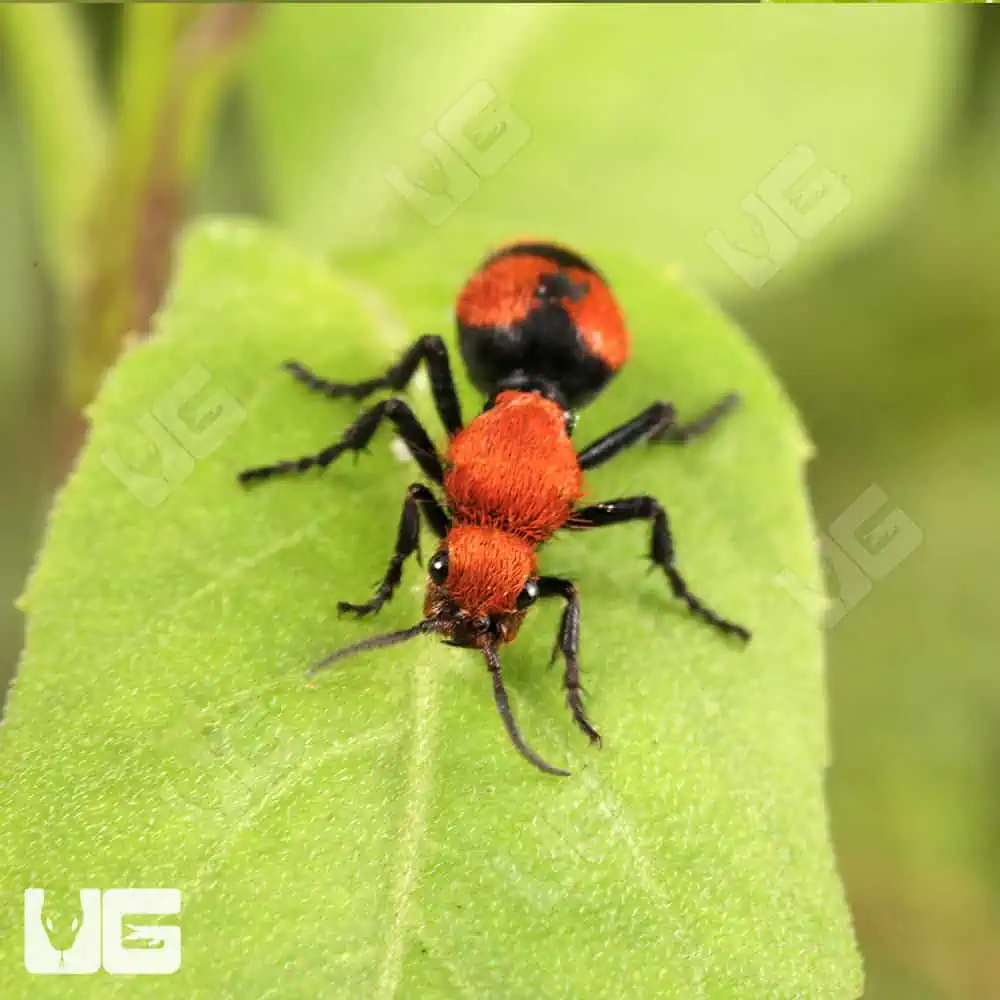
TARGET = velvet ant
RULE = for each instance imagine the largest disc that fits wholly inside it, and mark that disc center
(541, 335)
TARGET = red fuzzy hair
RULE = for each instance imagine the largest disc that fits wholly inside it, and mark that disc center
(505, 291)
(487, 569)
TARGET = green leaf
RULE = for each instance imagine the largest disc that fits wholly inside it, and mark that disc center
(375, 834)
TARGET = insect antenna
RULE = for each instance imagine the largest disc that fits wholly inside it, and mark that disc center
(375, 642)
(503, 707)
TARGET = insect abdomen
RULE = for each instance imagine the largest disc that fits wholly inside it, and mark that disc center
(537, 315)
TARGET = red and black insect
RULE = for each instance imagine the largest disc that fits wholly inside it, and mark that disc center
(541, 335)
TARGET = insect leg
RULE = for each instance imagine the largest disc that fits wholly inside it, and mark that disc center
(655, 423)
(568, 643)
(418, 498)
(430, 349)
(356, 438)
(682, 433)
(661, 550)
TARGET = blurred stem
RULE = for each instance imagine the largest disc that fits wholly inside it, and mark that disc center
(57, 87)
(977, 110)
(149, 31)
(177, 62)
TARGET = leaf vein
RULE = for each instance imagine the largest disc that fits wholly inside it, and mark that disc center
(281, 789)
(419, 782)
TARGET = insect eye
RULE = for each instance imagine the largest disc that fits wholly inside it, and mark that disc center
(528, 595)
(438, 567)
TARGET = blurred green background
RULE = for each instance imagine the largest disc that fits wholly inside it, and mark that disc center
(830, 174)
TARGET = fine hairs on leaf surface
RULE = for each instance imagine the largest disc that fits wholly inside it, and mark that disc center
(372, 833)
